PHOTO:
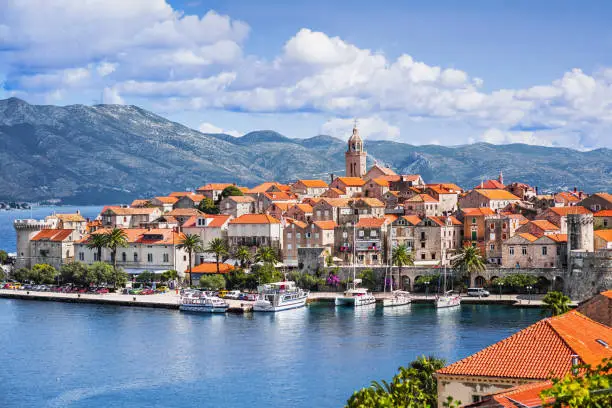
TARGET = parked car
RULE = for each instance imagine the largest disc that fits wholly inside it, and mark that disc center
(234, 294)
(147, 291)
(222, 293)
(477, 292)
(251, 297)
(101, 291)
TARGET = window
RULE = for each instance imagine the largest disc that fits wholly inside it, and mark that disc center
(504, 225)
(492, 226)
(361, 234)
(289, 235)
(492, 247)
(123, 256)
(422, 235)
(511, 250)
(492, 236)
(423, 256)
(96, 256)
(326, 213)
(605, 223)
(373, 233)
(184, 257)
(504, 236)
(360, 257)
(289, 247)
(316, 235)
(433, 255)
(558, 250)
(474, 235)
(81, 256)
(524, 250)
(166, 258)
(422, 245)
(298, 235)
(307, 235)
(544, 250)
(474, 220)
(318, 213)
(375, 258)
(135, 257)
(149, 257)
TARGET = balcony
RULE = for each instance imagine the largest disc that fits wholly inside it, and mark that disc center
(369, 245)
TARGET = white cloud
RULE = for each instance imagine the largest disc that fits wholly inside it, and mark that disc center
(210, 128)
(371, 128)
(144, 51)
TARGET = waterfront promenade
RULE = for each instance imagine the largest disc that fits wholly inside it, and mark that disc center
(171, 300)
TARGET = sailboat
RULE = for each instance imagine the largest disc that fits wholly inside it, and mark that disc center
(355, 296)
(400, 297)
(447, 298)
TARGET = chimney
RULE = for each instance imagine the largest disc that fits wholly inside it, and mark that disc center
(575, 189)
(536, 190)
(78, 211)
(580, 195)
(331, 177)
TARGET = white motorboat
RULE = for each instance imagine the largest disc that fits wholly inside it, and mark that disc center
(448, 300)
(203, 304)
(279, 296)
(355, 297)
(400, 298)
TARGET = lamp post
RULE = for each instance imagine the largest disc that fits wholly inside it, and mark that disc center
(500, 284)
(529, 287)
(426, 289)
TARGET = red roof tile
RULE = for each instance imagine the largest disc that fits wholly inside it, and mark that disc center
(539, 351)
(563, 211)
(313, 183)
(210, 268)
(371, 222)
(490, 184)
(216, 220)
(255, 219)
(53, 235)
(325, 225)
(351, 181)
(603, 213)
(606, 235)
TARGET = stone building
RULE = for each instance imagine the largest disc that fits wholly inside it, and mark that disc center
(602, 219)
(499, 227)
(367, 240)
(539, 228)
(447, 198)
(122, 217)
(602, 239)
(189, 200)
(300, 212)
(254, 231)
(237, 206)
(436, 239)
(496, 199)
(406, 182)
(547, 348)
(207, 227)
(378, 171)
(403, 231)
(376, 188)
(351, 186)
(474, 226)
(422, 205)
(558, 215)
(525, 250)
(309, 188)
(213, 190)
(164, 203)
(298, 234)
(598, 202)
(330, 209)
(580, 232)
(53, 246)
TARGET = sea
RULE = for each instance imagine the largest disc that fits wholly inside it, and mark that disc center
(79, 355)
(7, 232)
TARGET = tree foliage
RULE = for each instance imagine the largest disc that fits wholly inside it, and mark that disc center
(145, 276)
(468, 260)
(412, 386)
(368, 279)
(219, 248)
(115, 239)
(516, 280)
(190, 243)
(3, 256)
(99, 273)
(207, 206)
(212, 282)
(266, 255)
(21, 274)
(243, 255)
(42, 274)
(168, 275)
(76, 273)
(230, 191)
(265, 273)
(556, 302)
(586, 387)
(97, 242)
(306, 281)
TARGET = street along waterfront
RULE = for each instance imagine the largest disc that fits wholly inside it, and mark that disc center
(78, 355)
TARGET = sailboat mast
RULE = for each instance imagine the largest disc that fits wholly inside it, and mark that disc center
(354, 253)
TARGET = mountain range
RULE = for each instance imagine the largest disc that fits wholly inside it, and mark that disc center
(114, 153)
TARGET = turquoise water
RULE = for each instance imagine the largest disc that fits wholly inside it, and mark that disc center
(7, 233)
(65, 355)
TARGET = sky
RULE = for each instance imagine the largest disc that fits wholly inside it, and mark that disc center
(418, 72)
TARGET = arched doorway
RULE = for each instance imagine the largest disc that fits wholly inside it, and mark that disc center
(406, 283)
(558, 284)
(480, 282)
(542, 285)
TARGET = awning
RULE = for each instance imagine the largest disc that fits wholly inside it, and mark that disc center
(137, 271)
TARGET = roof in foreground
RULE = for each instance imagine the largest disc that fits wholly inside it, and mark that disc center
(211, 267)
(540, 350)
(255, 219)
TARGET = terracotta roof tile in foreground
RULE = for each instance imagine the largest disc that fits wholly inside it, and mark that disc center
(603, 213)
(545, 225)
(371, 222)
(563, 211)
(606, 235)
(325, 225)
(528, 395)
(53, 235)
(313, 183)
(540, 350)
(210, 267)
(496, 194)
(255, 219)
(351, 181)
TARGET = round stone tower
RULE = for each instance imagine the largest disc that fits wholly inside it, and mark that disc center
(25, 230)
(579, 232)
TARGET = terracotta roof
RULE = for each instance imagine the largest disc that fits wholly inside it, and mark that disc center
(605, 196)
(264, 187)
(255, 219)
(325, 225)
(557, 237)
(606, 234)
(410, 177)
(607, 293)
(393, 193)
(525, 396)
(437, 220)
(337, 202)
(380, 181)
(391, 217)
(70, 217)
(196, 198)
(179, 194)
(478, 211)
(166, 200)
(371, 222)
(372, 202)
(566, 196)
(336, 190)
(390, 177)
(425, 198)
(140, 203)
(280, 196)
(281, 206)
(412, 219)
(544, 225)
(540, 350)
(529, 237)
(217, 221)
(490, 184)
(211, 268)
(53, 235)
(300, 224)
(240, 199)
(454, 220)
(307, 208)
(215, 186)
(313, 183)
(130, 211)
(184, 212)
(451, 186)
(385, 170)
(153, 236)
(495, 194)
(563, 211)
(351, 181)
(603, 213)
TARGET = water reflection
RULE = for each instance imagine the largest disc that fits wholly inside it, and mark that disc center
(396, 310)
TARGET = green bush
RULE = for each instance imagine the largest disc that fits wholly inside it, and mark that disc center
(42, 274)
(212, 282)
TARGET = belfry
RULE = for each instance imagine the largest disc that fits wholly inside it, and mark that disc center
(355, 156)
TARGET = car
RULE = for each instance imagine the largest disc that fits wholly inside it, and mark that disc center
(147, 291)
(251, 297)
(135, 291)
(243, 296)
(477, 292)
(234, 294)
(101, 291)
(222, 293)
(162, 289)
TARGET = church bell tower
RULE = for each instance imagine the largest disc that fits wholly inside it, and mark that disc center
(355, 156)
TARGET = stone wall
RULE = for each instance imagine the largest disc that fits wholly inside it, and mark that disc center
(588, 274)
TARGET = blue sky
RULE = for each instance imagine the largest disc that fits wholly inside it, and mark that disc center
(421, 72)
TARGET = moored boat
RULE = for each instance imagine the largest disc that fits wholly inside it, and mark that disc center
(279, 296)
(203, 304)
(355, 297)
(448, 300)
(400, 298)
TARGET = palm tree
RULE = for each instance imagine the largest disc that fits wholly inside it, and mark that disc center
(218, 247)
(401, 256)
(114, 239)
(468, 260)
(97, 242)
(243, 254)
(190, 243)
(556, 302)
(266, 255)
(425, 372)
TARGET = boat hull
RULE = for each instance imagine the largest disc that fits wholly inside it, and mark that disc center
(265, 306)
(203, 308)
(355, 301)
(445, 302)
(396, 302)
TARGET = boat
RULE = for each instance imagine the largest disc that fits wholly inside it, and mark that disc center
(447, 299)
(279, 296)
(355, 297)
(203, 304)
(400, 298)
